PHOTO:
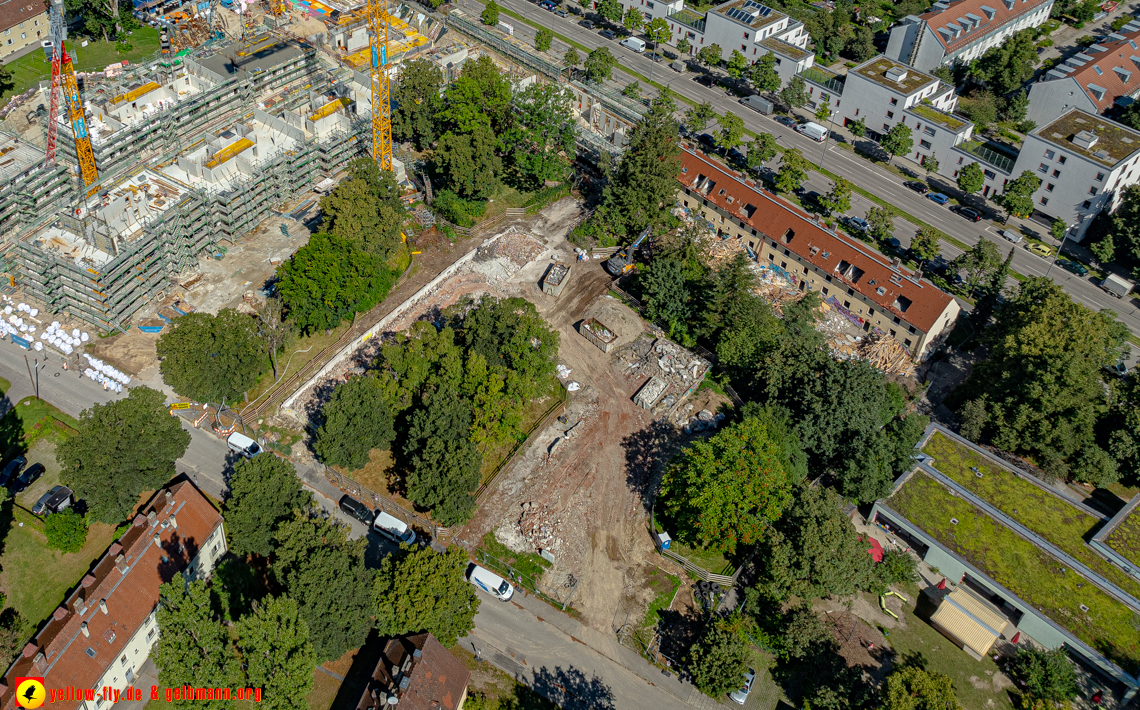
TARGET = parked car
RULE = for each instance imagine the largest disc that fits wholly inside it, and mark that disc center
(607, 34)
(1040, 249)
(919, 187)
(587, 24)
(1073, 267)
(735, 156)
(54, 501)
(12, 469)
(356, 509)
(938, 197)
(705, 79)
(393, 528)
(28, 477)
(970, 214)
(787, 121)
(708, 141)
(491, 583)
(858, 223)
(741, 696)
(1010, 235)
(561, 13)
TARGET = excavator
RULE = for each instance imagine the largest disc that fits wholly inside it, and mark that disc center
(622, 262)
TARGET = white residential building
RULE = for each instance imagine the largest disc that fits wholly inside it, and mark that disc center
(740, 25)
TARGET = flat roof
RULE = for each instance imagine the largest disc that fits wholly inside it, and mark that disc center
(1122, 534)
(17, 157)
(779, 46)
(877, 68)
(933, 115)
(1114, 143)
(736, 9)
(247, 56)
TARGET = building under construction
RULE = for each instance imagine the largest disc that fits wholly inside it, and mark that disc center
(193, 154)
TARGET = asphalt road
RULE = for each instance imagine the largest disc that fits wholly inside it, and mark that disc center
(880, 182)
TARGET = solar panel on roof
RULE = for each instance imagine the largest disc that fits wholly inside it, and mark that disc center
(765, 11)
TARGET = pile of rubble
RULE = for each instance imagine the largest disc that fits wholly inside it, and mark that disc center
(502, 257)
(649, 357)
(879, 349)
(424, 216)
(538, 525)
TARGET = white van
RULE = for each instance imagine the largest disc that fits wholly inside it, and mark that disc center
(813, 130)
(633, 43)
(393, 528)
(242, 444)
(491, 583)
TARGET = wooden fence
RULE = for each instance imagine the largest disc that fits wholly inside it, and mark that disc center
(555, 410)
(721, 579)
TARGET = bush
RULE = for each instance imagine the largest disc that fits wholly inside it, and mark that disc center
(123, 47)
(457, 210)
(66, 531)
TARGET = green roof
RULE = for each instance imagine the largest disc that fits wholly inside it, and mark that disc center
(935, 116)
(876, 70)
(1048, 515)
(1034, 575)
(779, 46)
(1114, 143)
(1125, 538)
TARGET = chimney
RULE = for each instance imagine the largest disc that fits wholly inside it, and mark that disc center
(40, 661)
(30, 650)
(88, 581)
(895, 262)
(138, 520)
(918, 275)
(103, 606)
(83, 628)
(173, 521)
(158, 542)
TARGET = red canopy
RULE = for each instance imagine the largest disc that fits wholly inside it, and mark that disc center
(876, 550)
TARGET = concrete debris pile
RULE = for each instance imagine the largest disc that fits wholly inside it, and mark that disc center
(678, 372)
(776, 286)
(502, 257)
(538, 525)
(704, 420)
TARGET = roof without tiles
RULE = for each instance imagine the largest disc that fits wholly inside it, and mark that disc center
(127, 580)
(435, 680)
(959, 24)
(1105, 71)
(1113, 141)
(14, 12)
(891, 288)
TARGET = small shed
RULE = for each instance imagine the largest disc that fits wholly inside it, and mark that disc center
(969, 622)
(556, 277)
(598, 334)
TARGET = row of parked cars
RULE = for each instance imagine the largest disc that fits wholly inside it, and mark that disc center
(16, 478)
(400, 532)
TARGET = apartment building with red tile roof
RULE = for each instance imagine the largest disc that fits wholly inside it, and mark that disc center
(104, 631)
(419, 674)
(877, 292)
(1093, 80)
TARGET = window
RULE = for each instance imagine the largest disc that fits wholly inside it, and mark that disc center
(743, 48)
(847, 304)
(824, 290)
(988, 173)
(23, 35)
(1092, 190)
(9, 41)
(1086, 204)
(886, 127)
(890, 114)
(907, 342)
(1044, 201)
(894, 334)
(1042, 168)
(911, 330)
(123, 660)
(1049, 187)
(1049, 155)
(924, 144)
(928, 131)
(1056, 173)
(894, 102)
(959, 161)
(150, 634)
(1099, 177)
(745, 35)
(1062, 160)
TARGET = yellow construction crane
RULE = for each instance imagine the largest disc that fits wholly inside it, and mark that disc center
(381, 102)
(78, 119)
(279, 7)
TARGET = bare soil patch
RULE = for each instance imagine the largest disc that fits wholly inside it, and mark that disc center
(132, 352)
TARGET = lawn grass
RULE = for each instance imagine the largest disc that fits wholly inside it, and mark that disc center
(304, 349)
(1049, 516)
(96, 56)
(665, 586)
(709, 560)
(324, 691)
(525, 563)
(1026, 570)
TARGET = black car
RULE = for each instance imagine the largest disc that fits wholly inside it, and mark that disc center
(607, 34)
(707, 141)
(735, 156)
(28, 477)
(704, 79)
(14, 467)
(787, 121)
(357, 509)
(919, 187)
(587, 24)
(972, 215)
(55, 500)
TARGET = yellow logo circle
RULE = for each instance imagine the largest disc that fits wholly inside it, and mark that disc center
(30, 693)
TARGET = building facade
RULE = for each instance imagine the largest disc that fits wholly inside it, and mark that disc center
(101, 636)
(961, 31)
(1104, 75)
(737, 25)
(875, 290)
(23, 25)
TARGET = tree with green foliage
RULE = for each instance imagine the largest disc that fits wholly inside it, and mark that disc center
(366, 208)
(667, 295)
(930, 164)
(823, 111)
(263, 493)
(490, 14)
(737, 64)
(813, 551)
(898, 141)
(209, 358)
(710, 56)
(1040, 392)
(634, 20)
(795, 93)
(881, 223)
(724, 492)
(600, 65)
(763, 74)
(913, 688)
(1016, 106)
(1124, 228)
(1017, 197)
(897, 567)
(658, 31)
(869, 471)
(839, 198)
(194, 648)
(1058, 228)
(761, 149)
(924, 245)
(698, 116)
(312, 555)
(861, 46)
(611, 10)
(416, 100)
(66, 531)
(802, 633)
(632, 90)
(981, 107)
(753, 332)
(276, 652)
(858, 128)
(684, 46)
(328, 280)
(1104, 249)
(992, 293)
(479, 96)
(718, 660)
(273, 328)
(469, 162)
(444, 464)
(7, 82)
(104, 463)
(831, 30)
(418, 589)
(571, 60)
(1005, 67)
(357, 420)
(971, 179)
(541, 139)
(793, 170)
(731, 131)
(543, 39)
(979, 262)
(1045, 676)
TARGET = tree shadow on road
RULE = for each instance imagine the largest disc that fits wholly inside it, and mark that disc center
(570, 688)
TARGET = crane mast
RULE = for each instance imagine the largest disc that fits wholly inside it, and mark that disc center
(64, 84)
(381, 101)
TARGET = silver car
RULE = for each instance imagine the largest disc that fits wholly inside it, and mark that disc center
(740, 696)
